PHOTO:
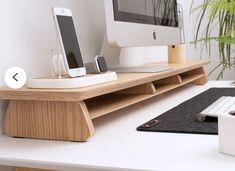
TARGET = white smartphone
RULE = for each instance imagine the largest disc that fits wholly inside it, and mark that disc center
(72, 54)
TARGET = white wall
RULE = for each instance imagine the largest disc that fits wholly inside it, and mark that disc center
(27, 34)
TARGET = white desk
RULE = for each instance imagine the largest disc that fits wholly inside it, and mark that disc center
(118, 146)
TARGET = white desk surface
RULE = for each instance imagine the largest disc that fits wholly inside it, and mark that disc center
(117, 145)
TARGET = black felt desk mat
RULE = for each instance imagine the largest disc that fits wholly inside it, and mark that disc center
(182, 119)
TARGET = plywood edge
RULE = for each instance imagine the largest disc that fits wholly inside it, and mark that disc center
(88, 121)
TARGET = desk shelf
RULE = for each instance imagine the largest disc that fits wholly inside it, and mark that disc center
(111, 103)
(67, 114)
(118, 100)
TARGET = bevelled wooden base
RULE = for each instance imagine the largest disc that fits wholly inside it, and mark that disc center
(48, 120)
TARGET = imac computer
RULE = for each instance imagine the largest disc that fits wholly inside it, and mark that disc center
(135, 25)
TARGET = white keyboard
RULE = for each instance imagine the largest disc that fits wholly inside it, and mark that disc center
(224, 105)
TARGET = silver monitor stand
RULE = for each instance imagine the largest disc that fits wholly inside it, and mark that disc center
(132, 60)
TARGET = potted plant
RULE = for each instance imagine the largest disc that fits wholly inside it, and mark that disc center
(216, 22)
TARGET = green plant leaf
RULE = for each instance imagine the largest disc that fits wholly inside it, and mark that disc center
(216, 23)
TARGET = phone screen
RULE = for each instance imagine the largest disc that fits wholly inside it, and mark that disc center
(70, 42)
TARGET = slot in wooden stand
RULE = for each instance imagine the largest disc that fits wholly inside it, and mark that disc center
(67, 114)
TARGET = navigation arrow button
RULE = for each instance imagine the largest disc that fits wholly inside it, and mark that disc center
(15, 77)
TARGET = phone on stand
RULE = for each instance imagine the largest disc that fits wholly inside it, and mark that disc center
(71, 51)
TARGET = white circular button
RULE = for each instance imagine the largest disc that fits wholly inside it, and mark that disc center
(15, 77)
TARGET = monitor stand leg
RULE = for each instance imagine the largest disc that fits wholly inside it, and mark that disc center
(138, 60)
(132, 56)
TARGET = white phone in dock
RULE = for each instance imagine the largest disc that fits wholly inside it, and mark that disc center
(72, 54)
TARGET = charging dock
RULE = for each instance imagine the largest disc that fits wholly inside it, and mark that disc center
(69, 83)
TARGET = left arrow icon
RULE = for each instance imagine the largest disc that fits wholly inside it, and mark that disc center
(15, 77)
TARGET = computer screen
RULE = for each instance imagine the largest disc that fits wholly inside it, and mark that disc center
(138, 25)
(153, 12)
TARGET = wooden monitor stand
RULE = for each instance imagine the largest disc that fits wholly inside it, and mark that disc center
(67, 114)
